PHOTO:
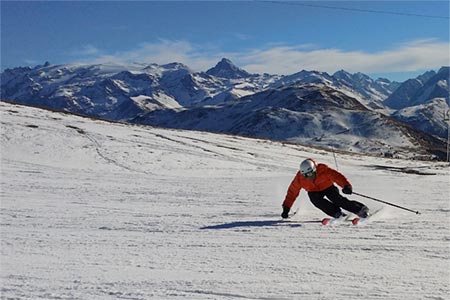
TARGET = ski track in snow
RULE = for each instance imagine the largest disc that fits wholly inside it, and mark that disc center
(96, 210)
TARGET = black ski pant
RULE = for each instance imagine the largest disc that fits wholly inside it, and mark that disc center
(332, 206)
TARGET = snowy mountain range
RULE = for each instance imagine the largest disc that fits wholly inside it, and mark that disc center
(346, 111)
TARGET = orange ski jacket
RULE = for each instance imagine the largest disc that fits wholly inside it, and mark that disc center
(325, 177)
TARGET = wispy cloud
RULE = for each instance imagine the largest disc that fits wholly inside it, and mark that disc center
(412, 56)
(86, 50)
(241, 36)
(161, 52)
(30, 62)
(286, 59)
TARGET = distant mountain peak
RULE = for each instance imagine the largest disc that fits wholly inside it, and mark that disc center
(426, 76)
(341, 72)
(226, 69)
(175, 65)
(421, 89)
(226, 61)
(444, 69)
(343, 75)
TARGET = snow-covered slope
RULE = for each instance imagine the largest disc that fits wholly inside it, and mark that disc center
(98, 210)
(369, 92)
(424, 102)
(429, 117)
(421, 89)
(372, 92)
(313, 114)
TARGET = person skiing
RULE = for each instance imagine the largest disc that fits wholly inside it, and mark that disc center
(318, 180)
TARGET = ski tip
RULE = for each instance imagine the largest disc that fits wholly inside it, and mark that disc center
(355, 221)
(325, 221)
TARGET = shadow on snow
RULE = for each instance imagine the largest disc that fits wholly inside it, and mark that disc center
(264, 223)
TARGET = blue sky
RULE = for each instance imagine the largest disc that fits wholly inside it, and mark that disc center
(397, 40)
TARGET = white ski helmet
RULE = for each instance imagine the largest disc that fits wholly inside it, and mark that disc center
(308, 168)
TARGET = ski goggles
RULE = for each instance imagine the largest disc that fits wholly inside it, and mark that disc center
(309, 174)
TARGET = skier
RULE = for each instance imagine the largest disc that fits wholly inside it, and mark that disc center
(318, 180)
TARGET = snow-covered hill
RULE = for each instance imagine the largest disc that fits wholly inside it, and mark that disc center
(424, 102)
(314, 114)
(419, 90)
(429, 117)
(369, 92)
(99, 210)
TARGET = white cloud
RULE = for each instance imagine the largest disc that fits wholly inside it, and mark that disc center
(31, 62)
(162, 52)
(278, 59)
(416, 55)
(86, 50)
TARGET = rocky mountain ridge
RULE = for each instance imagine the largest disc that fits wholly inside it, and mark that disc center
(309, 107)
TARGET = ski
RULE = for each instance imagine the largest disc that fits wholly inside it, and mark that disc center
(326, 221)
(333, 221)
(329, 221)
(361, 221)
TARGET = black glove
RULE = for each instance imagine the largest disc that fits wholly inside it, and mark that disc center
(285, 213)
(347, 190)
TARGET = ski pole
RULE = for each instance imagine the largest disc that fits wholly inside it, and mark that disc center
(388, 203)
(335, 160)
(295, 212)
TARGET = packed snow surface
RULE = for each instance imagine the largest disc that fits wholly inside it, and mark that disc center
(98, 210)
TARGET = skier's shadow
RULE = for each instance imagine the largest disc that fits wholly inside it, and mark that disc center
(263, 223)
